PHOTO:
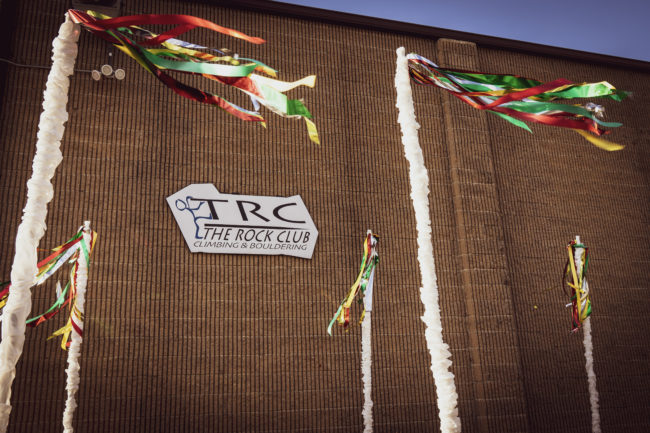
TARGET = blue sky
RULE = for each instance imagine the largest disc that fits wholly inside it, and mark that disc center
(618, 28)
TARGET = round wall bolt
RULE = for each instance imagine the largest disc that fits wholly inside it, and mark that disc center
(107, 70)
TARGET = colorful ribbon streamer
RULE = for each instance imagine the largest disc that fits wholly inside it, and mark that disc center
(362, 284)
(183, 57)
(66, 253)
(575, 285)
(518, 99)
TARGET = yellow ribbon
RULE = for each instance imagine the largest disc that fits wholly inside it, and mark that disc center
(599, 142)
(312, 131)
(581, 295)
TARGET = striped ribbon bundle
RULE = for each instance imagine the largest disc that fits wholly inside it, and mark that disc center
(158, 53)
(518, 99)
(363, 284)
(576, 282)
(66, 253)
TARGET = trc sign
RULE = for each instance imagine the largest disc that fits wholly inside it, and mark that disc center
(212, 222)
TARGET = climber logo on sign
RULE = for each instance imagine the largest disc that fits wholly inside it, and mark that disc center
(212, 222)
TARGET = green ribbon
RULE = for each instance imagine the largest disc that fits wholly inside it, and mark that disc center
(539, 107)
(279, 101)
(516, 122)
(200, 68)
(85, 250)
(57, 304)
(506, 81)
(584, 90)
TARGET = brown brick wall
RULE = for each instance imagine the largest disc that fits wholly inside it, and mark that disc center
(552, 186)
(496, 372)
(181, 342)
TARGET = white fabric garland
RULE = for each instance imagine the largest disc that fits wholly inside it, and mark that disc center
(591, 376)
(72, 384)
(366, 371)
(447, 396)
(39, 193)
(589, 351)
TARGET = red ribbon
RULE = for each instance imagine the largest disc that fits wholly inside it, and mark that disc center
(184, 23)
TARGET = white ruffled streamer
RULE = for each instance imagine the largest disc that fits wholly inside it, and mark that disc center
(39, 193)
(589, 352)
(366, 371)
(591, 376)
(447, 396)
(74, 351)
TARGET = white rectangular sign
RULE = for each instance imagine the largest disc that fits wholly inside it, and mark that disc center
(212, 222)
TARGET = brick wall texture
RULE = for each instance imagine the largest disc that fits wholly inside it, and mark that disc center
(182, 342)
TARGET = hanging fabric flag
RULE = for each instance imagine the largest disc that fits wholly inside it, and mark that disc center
(160, 53)
(69, 252)
(574, 283)
(518, 99)
(363, 284)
